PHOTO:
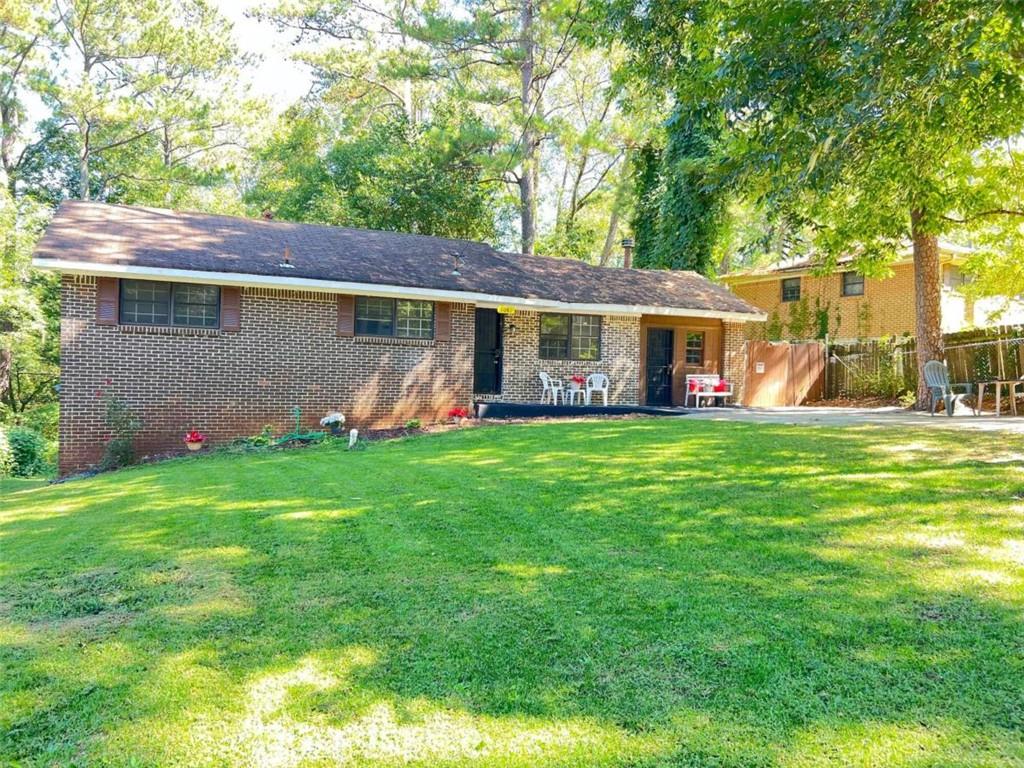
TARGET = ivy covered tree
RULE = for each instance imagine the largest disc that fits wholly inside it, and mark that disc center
(680, 208)
(869, 123)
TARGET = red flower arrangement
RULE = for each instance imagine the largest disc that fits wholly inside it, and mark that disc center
(578, 379)
(194, 439)
(458, 413)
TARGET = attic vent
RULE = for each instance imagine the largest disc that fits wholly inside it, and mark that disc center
(287, 263)
(455, 270)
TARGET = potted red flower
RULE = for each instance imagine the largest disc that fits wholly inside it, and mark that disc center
(194, 440)
(458, 414)
(577, 381)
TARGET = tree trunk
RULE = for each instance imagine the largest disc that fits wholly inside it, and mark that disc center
(83, 166)
(928, 301)
(613, 220)
(527, 178)
(9, 130)
(609, 238)
(5, 371)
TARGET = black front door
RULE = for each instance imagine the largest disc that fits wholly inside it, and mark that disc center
(487, 353)
(659, 366)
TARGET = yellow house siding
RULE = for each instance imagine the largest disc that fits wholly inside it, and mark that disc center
(889, 304)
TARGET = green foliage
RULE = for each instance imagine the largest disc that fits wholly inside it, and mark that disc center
(264, 438)
(413, 424)
(864, 319)
(124, 425)
(392, 175)
(861, 124)
(680, 210)
(28, 452)
(29, 311)
(824, 324)
(774, 327)
(6, 455)
(883, 373)
(649, 189)
(799, 324)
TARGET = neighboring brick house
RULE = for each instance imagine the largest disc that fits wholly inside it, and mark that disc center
(801, 304)
(225, 324)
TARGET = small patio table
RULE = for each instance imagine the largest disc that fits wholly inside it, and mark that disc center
(997, 386)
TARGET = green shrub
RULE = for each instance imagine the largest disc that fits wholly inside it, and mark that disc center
(6, 457)
(264, 438)
(413, 424)
(124, 425)
(28, 451)
(42, 419)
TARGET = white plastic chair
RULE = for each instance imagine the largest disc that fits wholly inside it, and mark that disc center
(597, 382)
(553, 389)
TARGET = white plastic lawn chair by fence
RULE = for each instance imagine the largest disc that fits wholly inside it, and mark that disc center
(552, 391)
(597, 382)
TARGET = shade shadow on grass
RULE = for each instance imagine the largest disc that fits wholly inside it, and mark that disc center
(618, 593)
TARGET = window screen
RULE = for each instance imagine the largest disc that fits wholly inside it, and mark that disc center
(415, 319)
(147, 302)
(586, 337)
(554, 337)
(791, 289)
(375, 316)
(695, 349)
(570, 337)
(196, 306)
(404, 318)
(853, 284)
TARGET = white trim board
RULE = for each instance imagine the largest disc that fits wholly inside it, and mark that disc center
(391, 291)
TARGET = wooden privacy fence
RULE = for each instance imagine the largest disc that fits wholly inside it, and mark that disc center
(783, 373)
(888, 367)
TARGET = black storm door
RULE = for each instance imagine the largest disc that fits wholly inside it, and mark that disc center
(487, 353)
(659, 366)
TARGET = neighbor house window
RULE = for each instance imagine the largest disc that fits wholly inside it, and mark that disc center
(853, 284)
(695, 349)
(570, 337)
(145, 302)
(403, 318)
(791, 289)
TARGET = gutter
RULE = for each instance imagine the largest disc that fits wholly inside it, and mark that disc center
(390, 291)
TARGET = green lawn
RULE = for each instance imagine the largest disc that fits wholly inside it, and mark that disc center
(626, 593)
(10, 485)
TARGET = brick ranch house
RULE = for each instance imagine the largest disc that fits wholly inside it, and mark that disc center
(224, 324)
(792, 295)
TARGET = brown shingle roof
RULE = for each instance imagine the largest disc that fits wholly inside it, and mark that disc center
(102, 234)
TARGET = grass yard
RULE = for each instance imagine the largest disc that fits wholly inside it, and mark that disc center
(616, 593)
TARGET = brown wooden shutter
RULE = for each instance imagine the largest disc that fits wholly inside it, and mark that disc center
(231, 309)
(346, 315)
(106, 300)
(442, 321)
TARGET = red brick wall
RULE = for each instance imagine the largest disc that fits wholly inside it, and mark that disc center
(734, 357)
(227, 385)
(620, 359)
(288, 353)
